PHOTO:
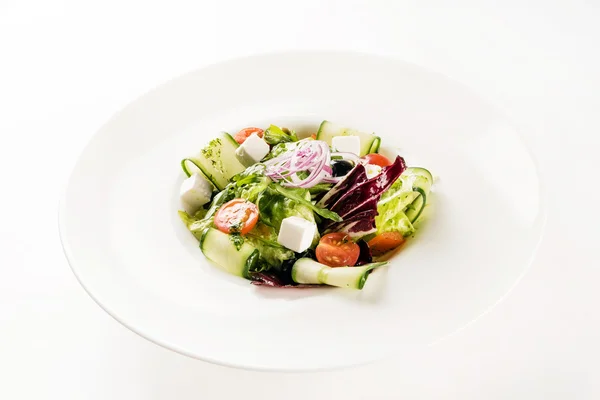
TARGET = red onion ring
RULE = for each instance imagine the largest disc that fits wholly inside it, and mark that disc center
(310, 156)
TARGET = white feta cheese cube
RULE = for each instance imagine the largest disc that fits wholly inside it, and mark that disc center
(195, 192)
(346, 144)
(252, 150)
(296, 233)
(372, 170)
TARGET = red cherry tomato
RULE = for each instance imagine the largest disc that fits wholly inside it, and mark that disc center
(236, 216)
(377, 159)
(242, 135)
(385, 242)
(337, 250)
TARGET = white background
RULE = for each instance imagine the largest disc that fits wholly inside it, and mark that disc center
(66, 67)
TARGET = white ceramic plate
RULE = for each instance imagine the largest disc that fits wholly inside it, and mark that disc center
(125, 243)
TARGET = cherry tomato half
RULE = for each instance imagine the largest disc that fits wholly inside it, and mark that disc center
(337, 250)
(385, 242)
(377, 159)
(242, 135)
(236, 216)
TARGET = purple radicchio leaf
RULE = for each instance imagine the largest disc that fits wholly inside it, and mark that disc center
(369, 213)
(355, 177)
(360, 228)
(364, 193)
(270, 279)
(355, 199)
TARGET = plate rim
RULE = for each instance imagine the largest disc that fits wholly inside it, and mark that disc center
(62, 208)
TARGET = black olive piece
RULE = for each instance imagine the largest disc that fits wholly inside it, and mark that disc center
(341, 167)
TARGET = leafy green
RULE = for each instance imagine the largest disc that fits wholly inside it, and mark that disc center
(186, 218)
(237, 240)
(194, 224)
(274, 202)
(296, 195)
(275, 205)
(392, 219)
(320, 188)
(249, 183)
(272, 208)
(204, 218)
(264, 238)
(393, 191)
(275, 135)
(390, 208)
(199, 226)
(279, 149)
(190, 219)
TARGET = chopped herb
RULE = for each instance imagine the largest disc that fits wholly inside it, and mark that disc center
(237, 240)
(212, 152)
(235, 227)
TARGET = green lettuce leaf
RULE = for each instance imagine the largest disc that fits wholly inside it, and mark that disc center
(320, 188)
(392, 219)
(276, 135)
(249, 183)
(299, 195)
(279, 149)
(194, 223)
(272, 254)
(390, 208)
(277, 203)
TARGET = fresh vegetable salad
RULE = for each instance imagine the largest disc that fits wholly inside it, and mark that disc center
(288, 212)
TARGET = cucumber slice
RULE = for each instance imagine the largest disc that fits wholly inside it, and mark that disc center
(411, 178)
(412, 194)
(369, 143)
(405, 226)
(307, 270)
(420, 180)
(350, 277)
(216, 161)
(218, 247)
(414, 209)
(417, 177)
(405, 198)
(402, 205)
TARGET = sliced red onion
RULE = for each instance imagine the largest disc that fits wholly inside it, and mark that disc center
(310, 156)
